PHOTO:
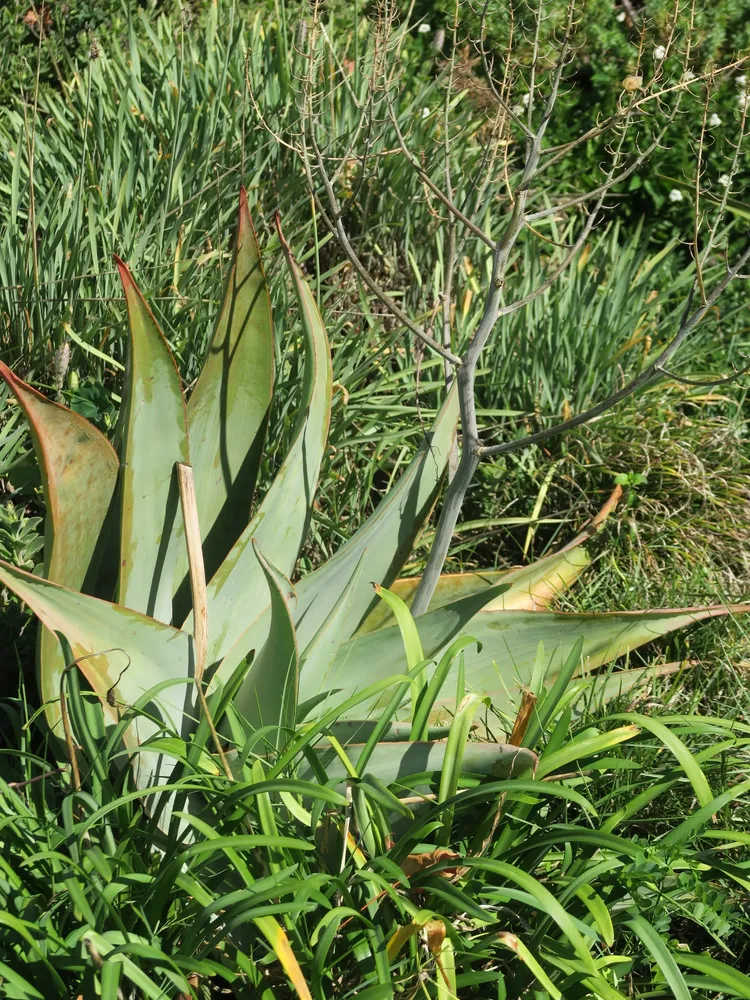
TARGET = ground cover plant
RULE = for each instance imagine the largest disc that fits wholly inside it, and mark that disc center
(591, 885)
(286, 681)
(578, 833)
(499, 205)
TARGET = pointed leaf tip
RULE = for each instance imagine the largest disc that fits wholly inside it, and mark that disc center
(229, 407)
(151, 531)
(125, 276)
(284, 244)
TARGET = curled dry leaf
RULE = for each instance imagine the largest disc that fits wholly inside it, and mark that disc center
(415, 863)
(631, 83)
(435, 933)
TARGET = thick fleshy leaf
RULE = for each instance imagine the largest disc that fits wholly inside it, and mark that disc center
(385, 541)
(153, 438)
(322, 650)
(125, 655)
(360, 730)
(362, 655)
(281, 522)
(395, 761)
(530, 588)
(79, 471)
(268, 695)
(509, 642)
(228, 409)
(620, 682)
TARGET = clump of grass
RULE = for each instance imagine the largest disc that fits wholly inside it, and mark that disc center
(605, 862)
(681, 533)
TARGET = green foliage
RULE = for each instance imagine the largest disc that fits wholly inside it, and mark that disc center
(148, 535)
(145, 143)
(269, 657)
(606, 48)
(605, 875)
(20, 539)
(42, 42)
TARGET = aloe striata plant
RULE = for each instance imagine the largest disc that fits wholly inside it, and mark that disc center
(164, 578)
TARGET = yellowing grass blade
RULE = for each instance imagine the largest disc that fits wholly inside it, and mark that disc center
(79, 471)
(516, 945)
(405, 933)
(274, 933)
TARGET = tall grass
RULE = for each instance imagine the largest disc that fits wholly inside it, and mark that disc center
(616, 870)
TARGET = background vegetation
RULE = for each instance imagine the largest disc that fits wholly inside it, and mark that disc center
(128, 128)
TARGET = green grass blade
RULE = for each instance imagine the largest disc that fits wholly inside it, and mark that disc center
(661, 955)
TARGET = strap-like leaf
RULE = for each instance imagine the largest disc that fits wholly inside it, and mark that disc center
(375, 652)
(509, 641)
(530, 588)
(280, 524)
(322, 650)
(79, 472)
(228, 410)
(393, 761)
(386, 540)
(154, 438)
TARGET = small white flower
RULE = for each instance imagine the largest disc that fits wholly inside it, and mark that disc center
(525, 99)
(744, 101)
(724, 180)
(621, 16)
(659, 53)
(740, 80)
(426, 112)
(714, 121)
(688, 76)
(675, 195)
(517, 109)
(423, 29)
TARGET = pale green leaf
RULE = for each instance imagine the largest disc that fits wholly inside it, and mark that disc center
(268, 694)
(394, 761)
(153, 438)
(386, 539)
(228, 409)
(123, 655)
(281, 523)
(509, 644)
(529, 588)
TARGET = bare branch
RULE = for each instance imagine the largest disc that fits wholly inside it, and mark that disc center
(708, 383)
(335, 224)
(428, 182)
(653, 369)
